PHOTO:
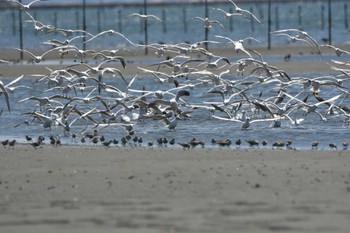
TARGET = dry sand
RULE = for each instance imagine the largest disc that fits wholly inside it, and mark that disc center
(93, 189)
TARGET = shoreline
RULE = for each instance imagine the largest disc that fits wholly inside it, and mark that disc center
(213, 147)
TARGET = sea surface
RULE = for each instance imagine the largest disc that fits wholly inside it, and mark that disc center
(178, 26)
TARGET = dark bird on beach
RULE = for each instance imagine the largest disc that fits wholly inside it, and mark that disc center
(278, 144)
(53, 141)
(36, 144)
(95, 140)
(41, 138)
(58, 142)
(150, 143)
(12, 143)
(184, 145)
(288, 143)
(333, 146)
(345, 144)
(225, 142)
(287, 57)
(264, 142)
(238, 143)
(4, 143)
(74, 137)
(107, 143)
(172, 141)
(314, 145)
(195, 142)
(253, 143)
(28, 138)
(160, 141)
(123, 141)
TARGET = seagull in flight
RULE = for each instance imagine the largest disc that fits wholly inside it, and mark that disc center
(339, 52)
(6, 96)
(241, 11)
(247, 122)
(227, 14)
(25, 6)
(209, 23)
(110, 32)
(37, 58)
(239, 45)
(301, 35)
(145, 17)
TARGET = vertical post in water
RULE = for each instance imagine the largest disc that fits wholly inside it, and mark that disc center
(346, 16)
(84, 24)
(269, 25)
(55, 19)
(145, 26)
(322, 18)
(164, 21)
(277, 18)
(77, 19)
(14, 29)
(206, 29)
(142, 23)
(120, 22)
(184, 12)
(329, 22)
(20, 32)
(98, 18)
(252, 21)
(231, 20)
(300, 21)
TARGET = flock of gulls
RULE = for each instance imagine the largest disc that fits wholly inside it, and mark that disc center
(246, 89)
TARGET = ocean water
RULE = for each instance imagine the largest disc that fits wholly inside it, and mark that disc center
(178, 28)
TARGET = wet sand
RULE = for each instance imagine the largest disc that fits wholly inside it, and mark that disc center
(122, 189)
(295, 65)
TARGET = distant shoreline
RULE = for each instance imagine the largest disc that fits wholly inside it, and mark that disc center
(293, 66)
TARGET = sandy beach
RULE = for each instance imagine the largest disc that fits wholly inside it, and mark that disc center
(122, 189)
